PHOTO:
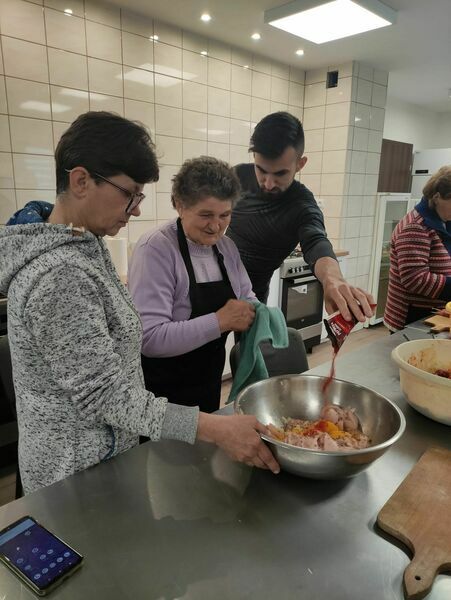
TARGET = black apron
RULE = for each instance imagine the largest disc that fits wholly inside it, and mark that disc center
(194, 378)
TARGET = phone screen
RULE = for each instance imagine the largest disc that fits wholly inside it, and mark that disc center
(39, 555)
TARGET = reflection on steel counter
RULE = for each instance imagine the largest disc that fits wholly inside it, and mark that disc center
(301, 298)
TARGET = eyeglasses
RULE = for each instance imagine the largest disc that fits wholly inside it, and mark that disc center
(135, 198)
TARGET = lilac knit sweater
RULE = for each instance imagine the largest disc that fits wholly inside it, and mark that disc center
(159, 284)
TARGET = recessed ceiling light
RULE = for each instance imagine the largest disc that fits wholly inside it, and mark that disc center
(245, 66)
(68, 11)
(256, 36)
(155, 38)
(320, 21)
(205, 18)
(300, 52)
(204, 53)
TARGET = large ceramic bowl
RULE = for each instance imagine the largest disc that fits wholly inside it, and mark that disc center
(429, 394)
(300, 396)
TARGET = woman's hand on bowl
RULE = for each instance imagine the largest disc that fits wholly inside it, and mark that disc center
(239, 437)
(236, 315)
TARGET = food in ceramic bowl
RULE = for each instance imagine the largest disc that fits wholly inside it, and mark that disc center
(422, 367)
(277, 399)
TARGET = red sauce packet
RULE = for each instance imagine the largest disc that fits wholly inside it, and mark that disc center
(338, 328)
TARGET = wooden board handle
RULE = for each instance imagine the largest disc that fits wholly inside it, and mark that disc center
(419, 575)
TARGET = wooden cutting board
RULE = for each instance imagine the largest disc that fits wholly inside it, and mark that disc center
(438, 323)
(419, 514)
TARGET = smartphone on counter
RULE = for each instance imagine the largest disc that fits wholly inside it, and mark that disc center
(39, 558)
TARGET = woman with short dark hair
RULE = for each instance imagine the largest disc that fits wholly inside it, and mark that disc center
(420, 256)
(74, 333)
(191, 288)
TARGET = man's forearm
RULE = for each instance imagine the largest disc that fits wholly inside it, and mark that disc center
(327, 267)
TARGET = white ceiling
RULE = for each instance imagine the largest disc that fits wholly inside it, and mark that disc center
(416, 50)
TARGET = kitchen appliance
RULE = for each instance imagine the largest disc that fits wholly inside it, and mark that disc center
(390, 209)
(418, 514)
(301, 396)
(425, 164)
(301, 298)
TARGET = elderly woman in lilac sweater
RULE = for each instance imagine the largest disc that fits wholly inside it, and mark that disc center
(191, 288)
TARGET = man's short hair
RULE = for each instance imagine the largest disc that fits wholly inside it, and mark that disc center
(106, 143)
(275, 133)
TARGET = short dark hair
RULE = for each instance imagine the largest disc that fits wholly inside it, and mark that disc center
(439, 183)
(200, 178)
(275, 133)
(108, 144)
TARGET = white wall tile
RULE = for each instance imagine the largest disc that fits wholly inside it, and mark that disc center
(108, 103)
(313, 164)
(365, 245)
(68, 69)
(168, 120)
(167, 172)
(140, 111)
(351, 228)
(314, 117)
(218, 129)
(27, 98)
(241, 79)
(297, 75)
(136, 23)
(22, 20)
(58, 130)
(361, 115)
(366, 226)
(313, 182)
(364, 90)
(341, 93)
(375, 141)
(3, 103)
(194, 42)
(333, 227)
(295, 94)
(354, 206)
(193, 148)
(336, 138)
(138, 84)
(137, 51)
(239, 154)
(64, 31)
(104, 13)
(360, 141)
(164, 207)
(338, 115)
(195, 96)
(105, 77)
(219, 50)
(372, 163)
(148, 207)
(380, 77)
(277, 107)
(332, 184)
(332, 206)
(280, 70)
(32, 136)
(259, 108)
(6, 170)
(314, 95)
(377, 117)
(103, 42)
(138, 228)
(370, 184)
(24, 196)
(240, 132)
(34, 171)
(297, 111)
(261, 64)
(365, 72)
(356, 184)
(261, 85)
(358, 161)
(334, 161)
(220, 151)
(2, 68)
(219, 73)
(168, 90)
(279, 90)
(194, 125)
(167, 34)
(68, 103)
(314, 140)
(7, 205)
(315, 76)
(25, 60)
(240, 106)
(169, 150)
(241, 57)
(369, 206)
(77, 6)
(218, 102)
(379, 97)
(195, 67)
(167, 60)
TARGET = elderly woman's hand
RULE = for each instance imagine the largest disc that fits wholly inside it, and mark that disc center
(235, 315)
(238, 436)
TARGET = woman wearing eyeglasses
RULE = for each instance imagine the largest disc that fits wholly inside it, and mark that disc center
(191, 288)
(74, 333)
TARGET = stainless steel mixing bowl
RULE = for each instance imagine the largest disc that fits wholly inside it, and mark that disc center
(300, 396)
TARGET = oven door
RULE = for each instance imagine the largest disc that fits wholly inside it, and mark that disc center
(301, 301)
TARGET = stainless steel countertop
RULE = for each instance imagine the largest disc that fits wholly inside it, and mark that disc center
(167, 521)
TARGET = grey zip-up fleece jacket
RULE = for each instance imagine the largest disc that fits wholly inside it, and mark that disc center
(75, 341)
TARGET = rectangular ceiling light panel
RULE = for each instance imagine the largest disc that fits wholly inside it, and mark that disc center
(319, 22)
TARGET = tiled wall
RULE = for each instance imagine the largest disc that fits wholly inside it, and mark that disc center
(54, 66)
(343, 130)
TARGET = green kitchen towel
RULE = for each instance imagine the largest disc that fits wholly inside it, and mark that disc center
(269, 324)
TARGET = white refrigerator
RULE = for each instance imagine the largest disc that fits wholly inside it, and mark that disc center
(390, 209)
(425, 164)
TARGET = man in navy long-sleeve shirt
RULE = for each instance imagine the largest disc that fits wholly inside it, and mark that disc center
(276, 212)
